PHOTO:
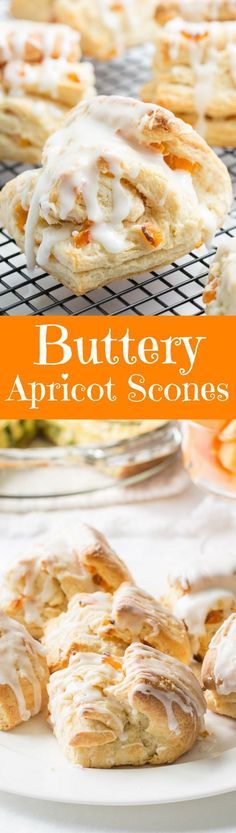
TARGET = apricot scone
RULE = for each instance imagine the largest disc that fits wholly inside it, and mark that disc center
(106, 27)
(219, 295)
(125, 187)
(219, 670)
(41, 79)
(146, 708)
(203, 595)
(194, 11)
(102, 623)
(194, 76)
(38, 588)
(23, 674)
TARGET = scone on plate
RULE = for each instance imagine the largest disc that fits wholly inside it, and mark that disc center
(106, 27)
(40, 80)
(193, 10)
(203, 595)
(220, 292)
(125, 187)
(23, 674)
(194, 76)
(146, 708)
(219, 670)
(38, 588)
(100, 623)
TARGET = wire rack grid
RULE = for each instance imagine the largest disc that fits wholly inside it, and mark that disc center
(176, 290)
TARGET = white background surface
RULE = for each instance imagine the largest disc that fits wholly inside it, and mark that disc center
(187, 520)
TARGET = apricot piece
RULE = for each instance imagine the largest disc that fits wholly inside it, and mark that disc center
(82, 238)
(179, 163)
(152, 235)
(113, 662)
(21, 217)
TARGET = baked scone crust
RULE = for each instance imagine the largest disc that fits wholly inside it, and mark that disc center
(104, 624)
(219, 670)
(39, 588)
(194, 11)
(171, 190)
(219, 295)
(194, 76)
(145, 708)
(23, 674)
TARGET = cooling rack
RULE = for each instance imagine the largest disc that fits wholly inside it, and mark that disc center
(176, 290)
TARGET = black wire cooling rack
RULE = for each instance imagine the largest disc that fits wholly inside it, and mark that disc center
(176, 290)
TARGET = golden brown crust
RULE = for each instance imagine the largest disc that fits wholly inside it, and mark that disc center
(185, 216)
(219, 670)
(149, 709)
(101, 623)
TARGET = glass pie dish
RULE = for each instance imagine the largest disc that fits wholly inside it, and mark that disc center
(209, 448)
(74, 457)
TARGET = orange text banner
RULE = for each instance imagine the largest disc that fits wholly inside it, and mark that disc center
(122, 367)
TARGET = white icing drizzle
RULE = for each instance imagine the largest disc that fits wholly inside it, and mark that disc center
(204, 70)
(16, 36)
(134, 609)
(45, 77)
(206, 572)
(200, 9)
(224, 643)
(222, 278)
(18, 650)
(193, 608)
(109, 129)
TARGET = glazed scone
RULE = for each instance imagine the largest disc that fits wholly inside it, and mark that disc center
(106, 28)
(147, 708)
(219, 670)
(203, 595)
(194, 76)
(23, 674)
(100, 623)
(124, 188)
(203, 613)
(193, 10)
(220, 292)
(38, 588)
(17, 433)
(41, 79)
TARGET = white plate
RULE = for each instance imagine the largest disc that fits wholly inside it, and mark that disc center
(32, 765)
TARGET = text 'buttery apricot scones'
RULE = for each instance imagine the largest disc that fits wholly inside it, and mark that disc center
(23, 674)
(106, 27)
(146, 708)
(194, 75)
(219, 670)
(125, 187)
(219, 295)
(41, 79)
(39, 587)
(203, 595)
(101, 623)
(193, 10)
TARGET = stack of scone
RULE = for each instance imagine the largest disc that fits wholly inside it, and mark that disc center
(121, 690)
(40, 80)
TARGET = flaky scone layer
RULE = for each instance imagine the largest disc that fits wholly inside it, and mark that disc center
(38, 588)
(193, 10)
(101, 623)
(23, 674)
(220, 292)
(145, 708)
(124, 187)
(219, 670)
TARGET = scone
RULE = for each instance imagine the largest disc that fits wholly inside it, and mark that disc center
(38, 588)
(23, 674)
(147, 708)
(220, 292)
(100, 623)
(203, 595)
(40, 81)
(219, 670)
(124, 188)
(106, 27)
(194, 75)
(193, 10)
